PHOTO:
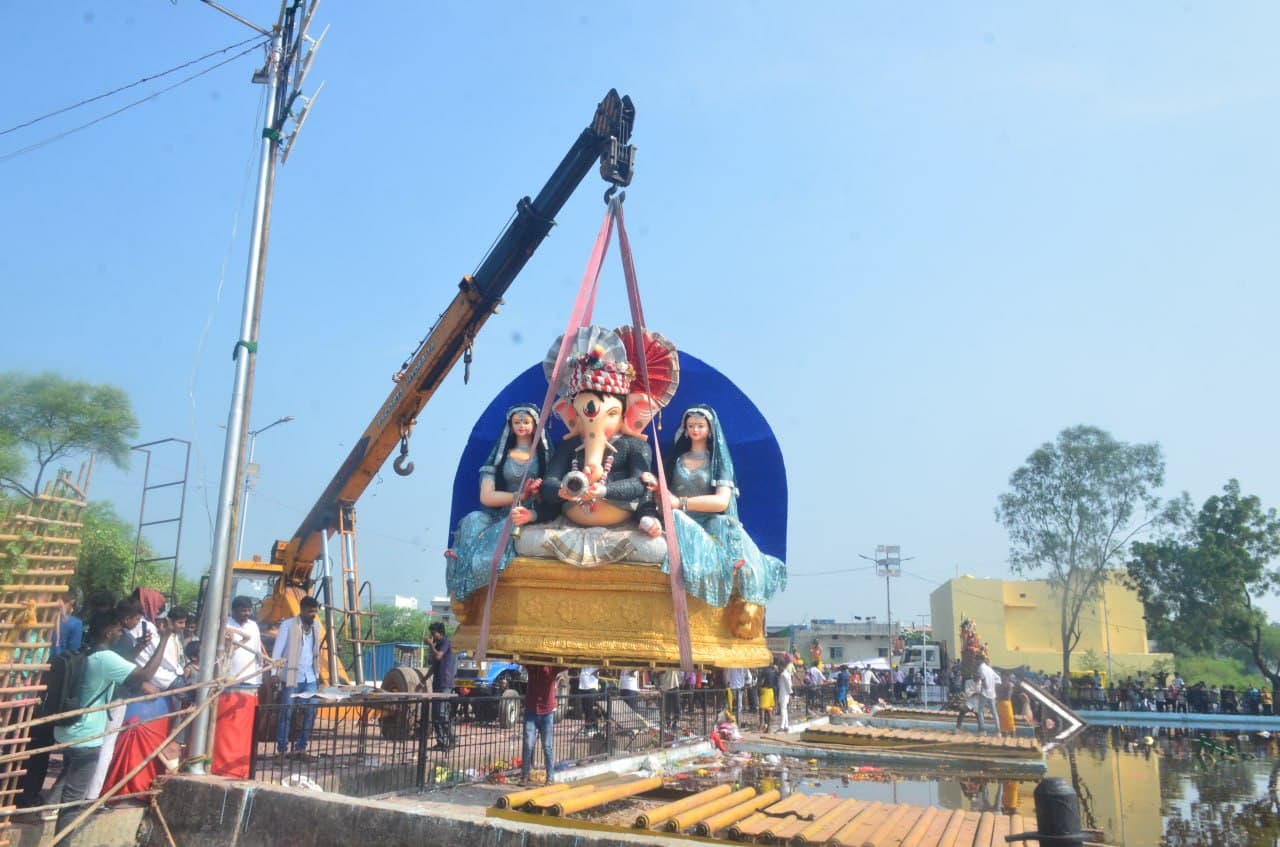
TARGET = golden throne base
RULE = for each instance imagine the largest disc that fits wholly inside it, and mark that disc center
(548, 612)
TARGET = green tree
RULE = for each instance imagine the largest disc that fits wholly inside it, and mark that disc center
(47, 418)
(106, 557)
(397, 624)
(1202, 580)
(1072, 510)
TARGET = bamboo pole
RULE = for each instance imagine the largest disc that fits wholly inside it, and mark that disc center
(516, 799)
(820, 806)
(916, 836)
(710, 826)
(224, 681)
(52, 807)
(168, 833)
(686, 819)
(24, 754)
(759, 822)
(876, 831)
(605, 795)
(824, 826)
(575, 789)
(653, 817)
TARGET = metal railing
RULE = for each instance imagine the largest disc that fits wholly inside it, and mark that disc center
(387, 743)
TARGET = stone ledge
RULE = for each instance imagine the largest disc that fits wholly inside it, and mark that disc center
(214, 812)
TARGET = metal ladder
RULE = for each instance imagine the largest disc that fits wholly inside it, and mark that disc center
(351, 590)
(148, 486)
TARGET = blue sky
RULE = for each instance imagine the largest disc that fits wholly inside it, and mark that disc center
(923, 240)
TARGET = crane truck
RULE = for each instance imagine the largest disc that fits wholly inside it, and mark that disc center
(291, 569)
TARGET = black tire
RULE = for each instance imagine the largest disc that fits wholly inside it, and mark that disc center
(512, 678)
(397, 722)
(510, 710)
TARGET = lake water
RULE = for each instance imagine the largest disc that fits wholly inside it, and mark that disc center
(1140, 787)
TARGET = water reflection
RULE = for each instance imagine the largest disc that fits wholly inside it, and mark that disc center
(1139, 787)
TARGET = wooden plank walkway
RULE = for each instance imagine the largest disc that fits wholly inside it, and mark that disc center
(926, 741)
(798, 820)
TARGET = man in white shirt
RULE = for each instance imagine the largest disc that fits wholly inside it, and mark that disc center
(735, 681)
(298, 643)
(785, 684)
(588, 699)
(629, 686)
(245, 643)
(988, 679)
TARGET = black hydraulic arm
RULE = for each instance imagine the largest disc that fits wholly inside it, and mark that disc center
(606, 140)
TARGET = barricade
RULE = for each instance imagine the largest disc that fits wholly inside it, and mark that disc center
(389, 743)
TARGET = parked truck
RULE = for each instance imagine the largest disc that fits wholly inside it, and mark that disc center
(931, 655)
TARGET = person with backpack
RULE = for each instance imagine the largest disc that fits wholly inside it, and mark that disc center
(91, 681)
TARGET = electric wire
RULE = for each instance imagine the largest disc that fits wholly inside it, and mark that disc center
(115, 91)
(54, 138)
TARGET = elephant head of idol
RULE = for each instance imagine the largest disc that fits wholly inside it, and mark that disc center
(602, 397)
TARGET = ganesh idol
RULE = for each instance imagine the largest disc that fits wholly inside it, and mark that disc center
(595, 485)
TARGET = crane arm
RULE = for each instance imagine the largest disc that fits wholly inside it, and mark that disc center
(606, 140)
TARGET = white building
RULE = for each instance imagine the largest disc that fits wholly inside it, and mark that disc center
(442, 610)
(402, 602)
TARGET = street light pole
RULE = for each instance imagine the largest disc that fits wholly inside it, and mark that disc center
(888, 561)
(248, 479)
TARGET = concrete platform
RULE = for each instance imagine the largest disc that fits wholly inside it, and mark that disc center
(116, 827)
(213, 812)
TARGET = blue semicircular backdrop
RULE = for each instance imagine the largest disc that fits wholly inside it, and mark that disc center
(757, 459)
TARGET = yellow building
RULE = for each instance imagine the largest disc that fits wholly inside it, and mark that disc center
(1021, 624)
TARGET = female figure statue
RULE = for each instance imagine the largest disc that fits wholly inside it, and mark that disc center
(514, 457)
(714, 548)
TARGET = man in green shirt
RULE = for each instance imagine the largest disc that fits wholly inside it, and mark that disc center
(104, 670)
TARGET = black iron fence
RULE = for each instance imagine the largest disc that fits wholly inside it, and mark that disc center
(384, 743)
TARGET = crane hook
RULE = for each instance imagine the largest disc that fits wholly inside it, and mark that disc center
(402, 465)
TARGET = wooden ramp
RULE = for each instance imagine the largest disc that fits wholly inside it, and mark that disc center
(747, 816)
(930, 742)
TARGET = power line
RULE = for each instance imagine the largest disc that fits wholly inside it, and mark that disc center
(36, 146)
(258, 40)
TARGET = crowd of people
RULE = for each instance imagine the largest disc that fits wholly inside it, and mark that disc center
(134, 647)
(139, 661)
(1164, 693)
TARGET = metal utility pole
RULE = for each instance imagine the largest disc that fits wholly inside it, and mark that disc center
(888, 561)
(284, 65)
